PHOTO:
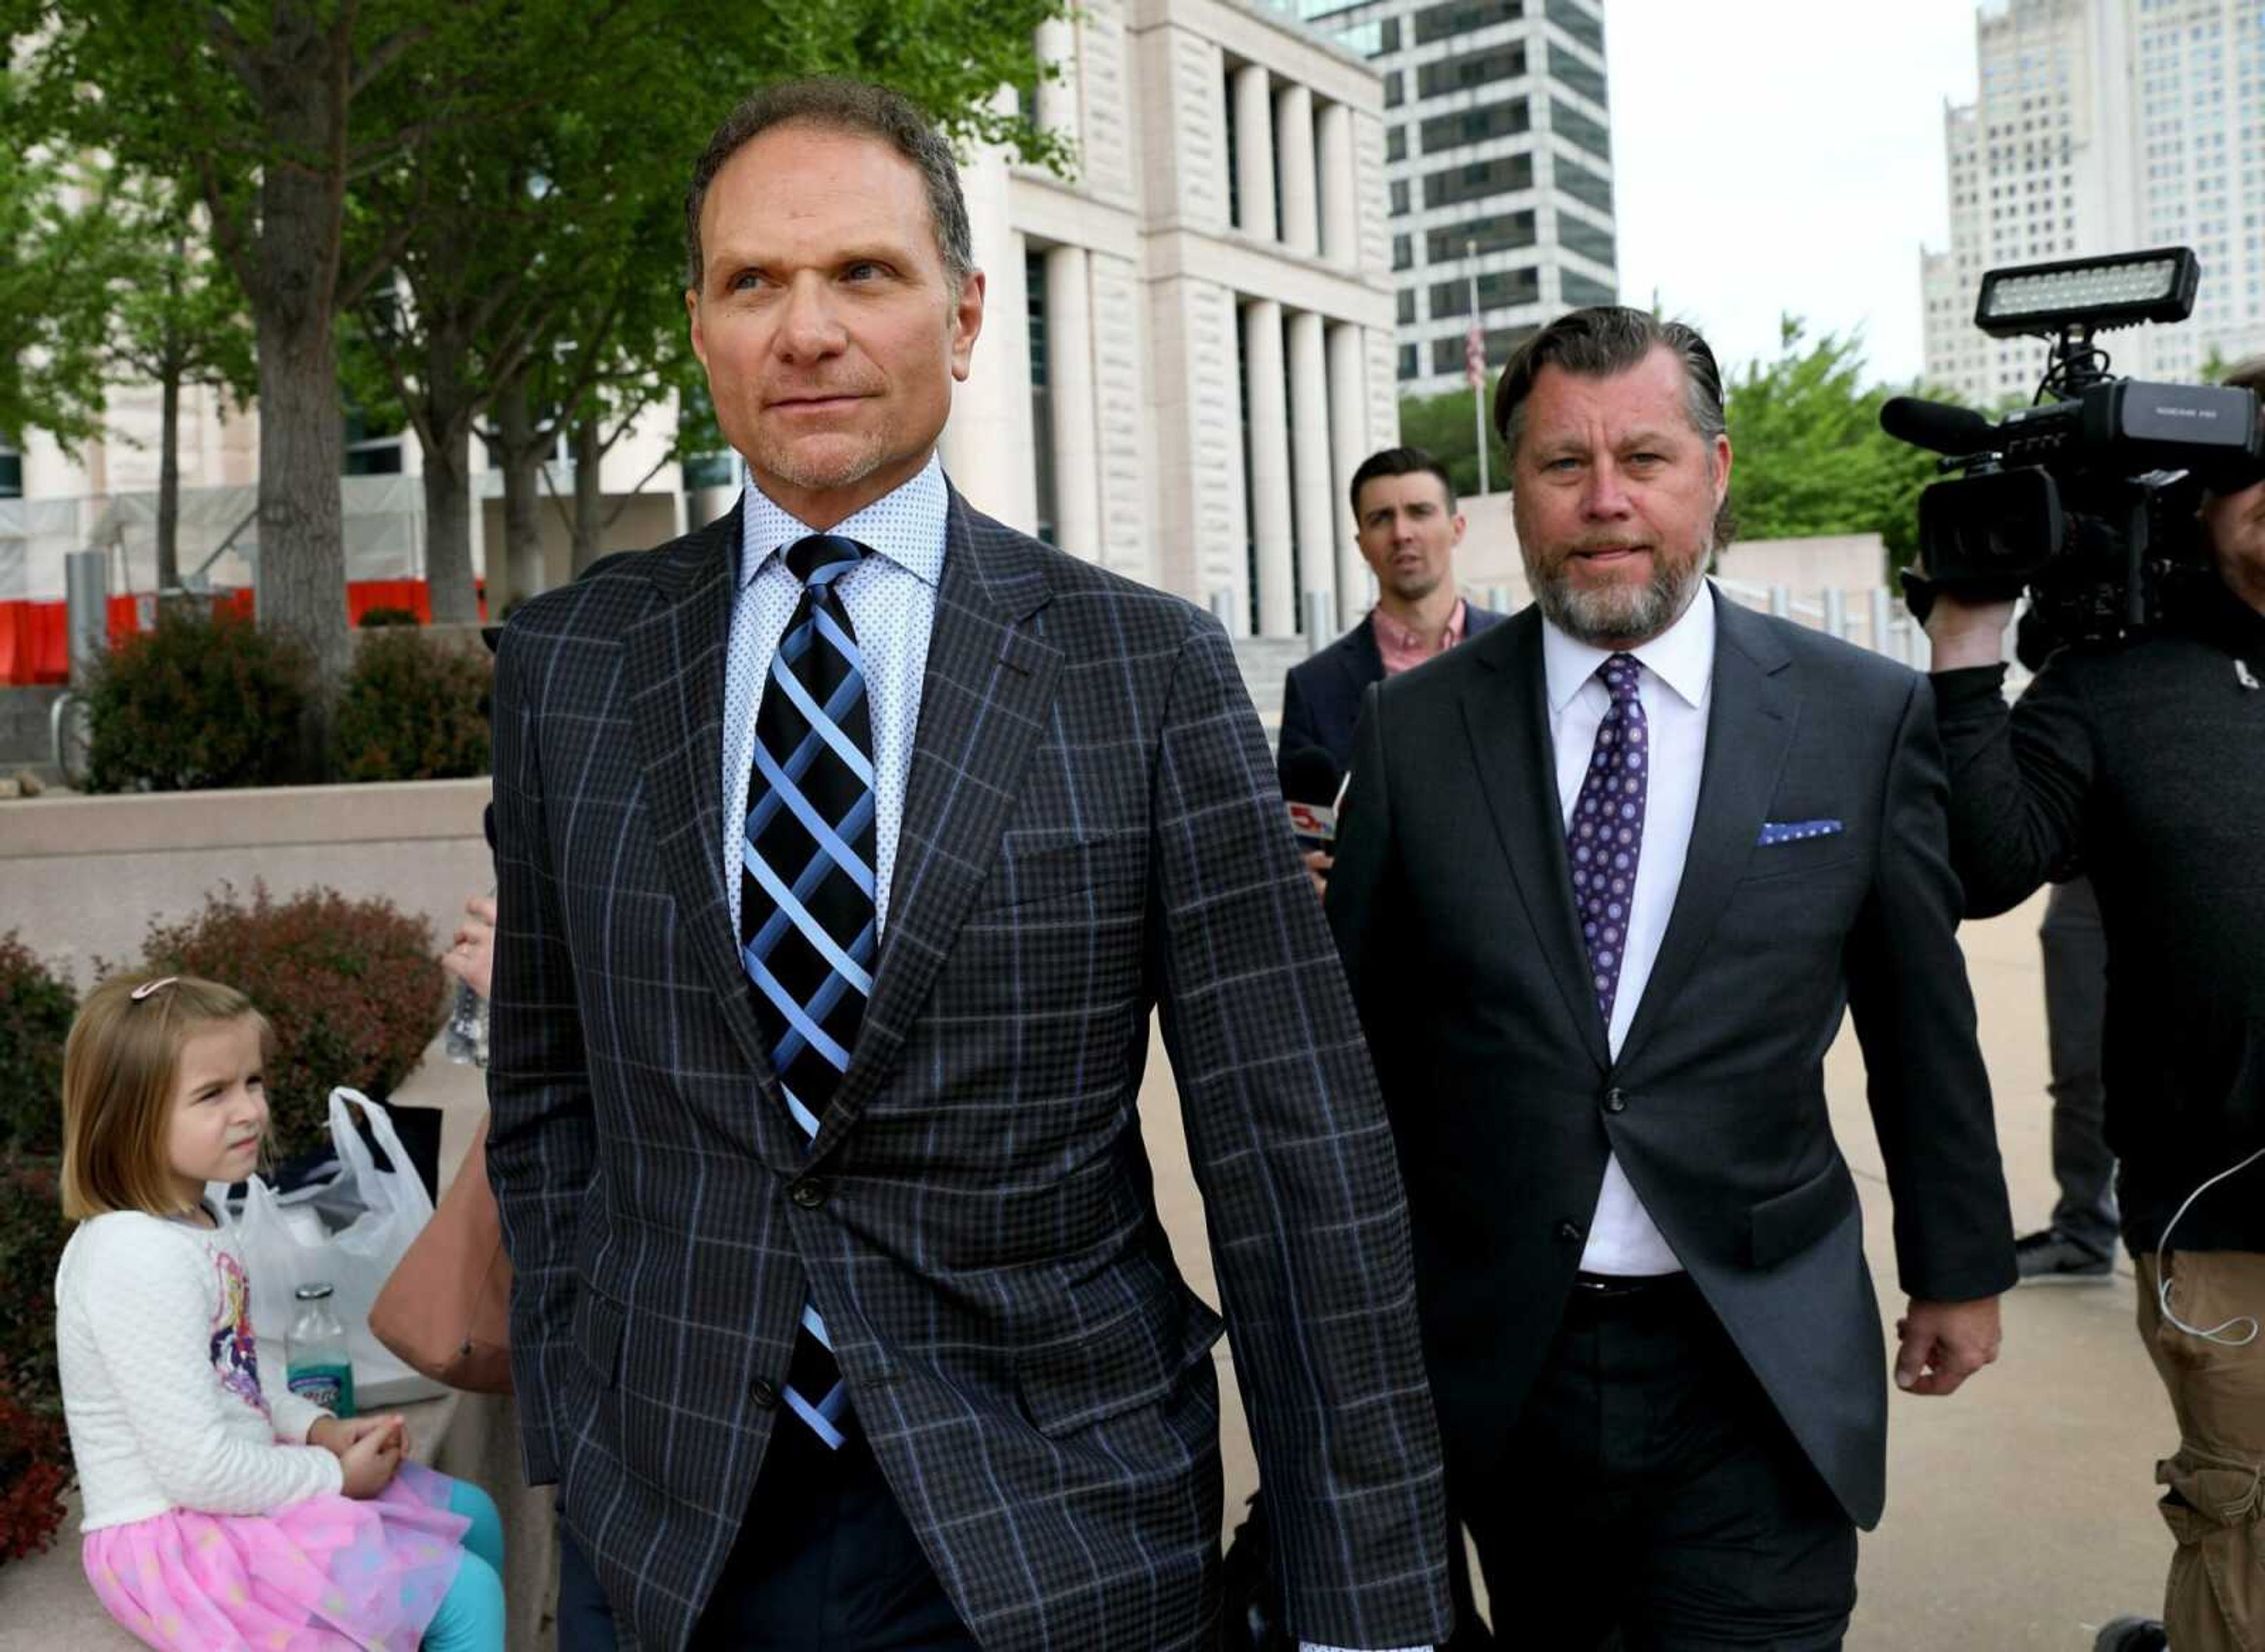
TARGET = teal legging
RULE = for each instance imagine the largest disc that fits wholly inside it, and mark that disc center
(470, 1617)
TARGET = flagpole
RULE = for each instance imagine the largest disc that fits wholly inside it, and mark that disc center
(1475, 362)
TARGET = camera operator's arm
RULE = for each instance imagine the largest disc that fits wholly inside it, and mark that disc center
(2019, 777)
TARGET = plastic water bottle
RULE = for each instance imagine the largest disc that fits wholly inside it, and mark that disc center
(467, 1038)
(316, 1365)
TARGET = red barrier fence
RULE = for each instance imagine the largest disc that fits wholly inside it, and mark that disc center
(35, 636)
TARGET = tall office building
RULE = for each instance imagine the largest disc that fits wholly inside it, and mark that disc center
(1498, 164)
(2105, 125)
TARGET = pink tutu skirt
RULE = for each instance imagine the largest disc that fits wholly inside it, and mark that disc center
(328, 1572)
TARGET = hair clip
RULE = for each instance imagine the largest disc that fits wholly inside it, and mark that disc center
(147, 987)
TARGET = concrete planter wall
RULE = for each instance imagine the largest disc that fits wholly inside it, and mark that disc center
(84, 878)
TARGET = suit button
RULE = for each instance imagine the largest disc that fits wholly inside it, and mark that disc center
(808, 1191)
(1569, 1233)
(762, 1394)
(1615, 1100)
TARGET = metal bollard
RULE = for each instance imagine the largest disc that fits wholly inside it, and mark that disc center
(1321, 621)
(1781, 601)
(86, 590)
(1836, 613)
(1881, 614)
(1222, 609)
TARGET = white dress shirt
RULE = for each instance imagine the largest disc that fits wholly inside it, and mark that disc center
(890, 597)
(1675, 683)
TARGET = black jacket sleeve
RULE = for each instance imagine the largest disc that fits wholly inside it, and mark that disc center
(2019, 779)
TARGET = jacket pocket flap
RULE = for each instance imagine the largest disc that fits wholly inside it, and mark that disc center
(1131, 1362)
(1790, 1222)
(599, 1324)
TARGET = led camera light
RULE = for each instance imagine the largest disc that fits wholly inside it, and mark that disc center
(2096, 294)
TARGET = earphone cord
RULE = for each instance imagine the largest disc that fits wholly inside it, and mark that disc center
(2164, 1281)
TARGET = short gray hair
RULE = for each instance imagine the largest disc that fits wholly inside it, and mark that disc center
(855, 107)
(1605, 340)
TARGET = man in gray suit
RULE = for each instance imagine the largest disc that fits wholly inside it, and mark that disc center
(845, 848)
(1605, 881)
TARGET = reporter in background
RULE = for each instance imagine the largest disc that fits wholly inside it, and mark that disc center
(2146, 760)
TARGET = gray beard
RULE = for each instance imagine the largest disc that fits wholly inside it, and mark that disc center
(1618, 614)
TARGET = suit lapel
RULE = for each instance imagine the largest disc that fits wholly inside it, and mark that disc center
(673, 661)
(1749, 726)
(985, 700)
(1506, 719)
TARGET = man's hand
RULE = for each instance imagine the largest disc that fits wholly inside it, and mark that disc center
(1967, 633)
(1318, 862)
(1944, 1343)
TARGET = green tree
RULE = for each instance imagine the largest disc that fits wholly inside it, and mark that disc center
(1809, 456)
(55, 239)
(1442, 425)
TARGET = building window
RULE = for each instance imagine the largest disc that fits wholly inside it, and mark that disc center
(1407, 361)
(1406, 298)
(1403, 252)
(1400, 198)
(1570, 123)
(1591, 189)
(372, 449)
(1504, 231)
(1576, 21)
(1387, 38)
(1042, 400)
(1459, 74)
(1498, 289)
(1580, 291)
(1503, 175)
(1578, 235)
(1395, 89)
(1463, 17)
(12, 468)
(1396, 143)
(1234, 167)
(1476, 125)
(1502, 342)
(1574, 75)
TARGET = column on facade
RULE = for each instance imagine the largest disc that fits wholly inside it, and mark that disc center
(1294, 141)
(1060, 107)
(1309, 456)
(1348, 446)
(1253, 115)
(1268, 419)
(1340, 227)
(1069, 360)
(988, 444)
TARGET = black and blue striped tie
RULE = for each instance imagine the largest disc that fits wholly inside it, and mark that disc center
(808, 930)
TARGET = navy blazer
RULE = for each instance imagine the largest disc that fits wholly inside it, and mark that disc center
(1088, 837)
(1320, 696)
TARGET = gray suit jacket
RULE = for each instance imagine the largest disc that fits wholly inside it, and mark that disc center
(1452, 901)
(1091, 830)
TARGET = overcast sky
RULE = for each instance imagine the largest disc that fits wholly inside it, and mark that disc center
(1784, 155)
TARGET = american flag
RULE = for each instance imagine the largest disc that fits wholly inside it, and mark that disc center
(1475, 363)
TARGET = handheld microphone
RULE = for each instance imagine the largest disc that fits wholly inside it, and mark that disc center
(1311, 782)
(1937, 427)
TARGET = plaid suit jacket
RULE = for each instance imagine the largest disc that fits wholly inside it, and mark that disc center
(1091, 830)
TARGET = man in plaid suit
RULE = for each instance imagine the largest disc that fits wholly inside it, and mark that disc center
(843, 1316)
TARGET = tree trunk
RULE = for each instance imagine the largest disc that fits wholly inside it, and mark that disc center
(302, 578)
(169, 477)
(448, 411)
(522, 529)
(589, 499)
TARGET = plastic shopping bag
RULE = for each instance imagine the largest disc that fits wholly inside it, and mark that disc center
(345, 1228)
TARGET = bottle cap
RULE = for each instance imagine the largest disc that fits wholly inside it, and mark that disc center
(312, 1293)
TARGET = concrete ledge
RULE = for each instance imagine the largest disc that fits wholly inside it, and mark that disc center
(268, 816)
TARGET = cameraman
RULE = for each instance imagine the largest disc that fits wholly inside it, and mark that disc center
(2145, 759)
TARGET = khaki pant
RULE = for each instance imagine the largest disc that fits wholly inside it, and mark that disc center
(2215, 1600)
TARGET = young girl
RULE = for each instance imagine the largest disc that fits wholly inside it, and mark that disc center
(222, 1510)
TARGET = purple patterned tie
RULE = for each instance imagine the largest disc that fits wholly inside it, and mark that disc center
(1606, 834)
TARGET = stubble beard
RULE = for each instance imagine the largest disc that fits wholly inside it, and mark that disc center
(1617, 613)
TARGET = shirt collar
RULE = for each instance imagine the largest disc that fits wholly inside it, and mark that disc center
(1392, 633)
(907, 526)
(1682, 656)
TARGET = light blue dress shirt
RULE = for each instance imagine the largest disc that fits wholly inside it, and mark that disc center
(890, 597)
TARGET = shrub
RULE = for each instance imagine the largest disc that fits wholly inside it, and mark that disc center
(199, 701)
(412, 710)
(377, 618)
(31, 1234)
(35, 1015)
(34, 1469)
(350, 985)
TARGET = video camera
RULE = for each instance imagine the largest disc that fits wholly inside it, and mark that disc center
(2085, 499)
